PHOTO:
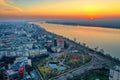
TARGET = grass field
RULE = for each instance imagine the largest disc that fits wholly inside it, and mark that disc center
(45, 71)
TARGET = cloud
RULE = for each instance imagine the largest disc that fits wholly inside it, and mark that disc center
(6, 5)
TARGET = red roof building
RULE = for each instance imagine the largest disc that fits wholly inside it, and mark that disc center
(75, 56)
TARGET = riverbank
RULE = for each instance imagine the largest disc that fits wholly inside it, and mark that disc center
(90, 23)
(103, 38)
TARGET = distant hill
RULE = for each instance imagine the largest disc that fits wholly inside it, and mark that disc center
(108, 23)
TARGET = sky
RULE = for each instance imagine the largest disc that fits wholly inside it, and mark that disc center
(60, 8)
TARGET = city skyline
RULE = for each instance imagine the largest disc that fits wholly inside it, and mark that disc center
(59, 9)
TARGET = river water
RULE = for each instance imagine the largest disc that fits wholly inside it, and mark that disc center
(105, 38)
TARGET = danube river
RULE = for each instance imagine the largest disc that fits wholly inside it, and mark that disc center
(105, 38)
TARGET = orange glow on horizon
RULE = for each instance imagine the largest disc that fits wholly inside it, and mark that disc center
(65, 9)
